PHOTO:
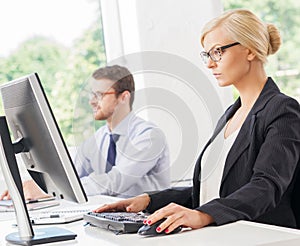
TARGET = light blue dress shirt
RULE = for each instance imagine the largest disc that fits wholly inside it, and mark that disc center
(142, 161)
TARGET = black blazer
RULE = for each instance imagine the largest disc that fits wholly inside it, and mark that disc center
(260, 169)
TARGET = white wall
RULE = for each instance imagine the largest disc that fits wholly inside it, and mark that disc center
(158, 41)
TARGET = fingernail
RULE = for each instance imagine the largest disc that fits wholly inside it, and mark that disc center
(167, 231)
(145, 222)
(158, 229)
(149, 222)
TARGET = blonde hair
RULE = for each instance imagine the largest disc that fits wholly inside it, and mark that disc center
(246, 28)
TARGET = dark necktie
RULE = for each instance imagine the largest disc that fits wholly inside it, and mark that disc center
(111, 154)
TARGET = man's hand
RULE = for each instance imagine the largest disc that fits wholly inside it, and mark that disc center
(5, 196)
(31, 192)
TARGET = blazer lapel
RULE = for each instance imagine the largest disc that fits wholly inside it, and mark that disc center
(240, 144)
(243, 139)
(220, 125)
(197, 170)
(224, 118)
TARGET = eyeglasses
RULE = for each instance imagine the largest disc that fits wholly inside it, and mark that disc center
(215, 53)
(99, 95)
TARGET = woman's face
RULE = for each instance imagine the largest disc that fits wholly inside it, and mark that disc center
(234, 64)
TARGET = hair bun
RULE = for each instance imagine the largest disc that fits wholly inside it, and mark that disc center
(275, 39)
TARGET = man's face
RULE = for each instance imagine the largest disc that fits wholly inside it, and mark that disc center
(104, 99)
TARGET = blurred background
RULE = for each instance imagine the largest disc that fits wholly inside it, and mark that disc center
(65, 41)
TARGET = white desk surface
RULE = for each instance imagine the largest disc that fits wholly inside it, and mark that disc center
(240, 233)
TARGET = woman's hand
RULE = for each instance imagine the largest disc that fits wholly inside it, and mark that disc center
(176, 216)
(135, 204)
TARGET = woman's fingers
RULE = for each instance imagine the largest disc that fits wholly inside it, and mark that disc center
(176, 216)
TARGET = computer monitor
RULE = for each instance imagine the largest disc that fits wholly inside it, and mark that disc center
(30, 118)
(25, 235)
(39, 141)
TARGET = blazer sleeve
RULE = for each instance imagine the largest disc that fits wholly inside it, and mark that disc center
(179, 195)
(273, 165)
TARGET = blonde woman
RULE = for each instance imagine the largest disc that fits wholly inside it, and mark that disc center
(257, 169)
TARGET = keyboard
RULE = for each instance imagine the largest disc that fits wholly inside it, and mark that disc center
(119, 222)
(61, 216)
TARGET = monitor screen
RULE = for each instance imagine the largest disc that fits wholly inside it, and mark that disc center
(30, 118)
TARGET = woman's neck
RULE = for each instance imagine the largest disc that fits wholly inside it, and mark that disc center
(250, 87)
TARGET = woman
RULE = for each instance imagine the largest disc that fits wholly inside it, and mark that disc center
(258, 166)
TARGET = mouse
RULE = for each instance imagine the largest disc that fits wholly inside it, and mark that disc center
(150, 230)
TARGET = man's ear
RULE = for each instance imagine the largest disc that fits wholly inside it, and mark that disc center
(125, 96)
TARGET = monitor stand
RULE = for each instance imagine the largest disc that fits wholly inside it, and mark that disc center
(25, 235)
(41, 236)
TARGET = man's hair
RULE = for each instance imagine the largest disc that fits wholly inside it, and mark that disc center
(122, 78)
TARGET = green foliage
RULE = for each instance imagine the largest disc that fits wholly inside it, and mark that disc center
(283, 66)
(37, 54)
(74, 112)
(63, 72)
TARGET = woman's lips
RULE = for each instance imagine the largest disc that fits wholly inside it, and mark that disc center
(217, 75)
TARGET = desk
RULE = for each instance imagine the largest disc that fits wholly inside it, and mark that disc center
(240, 233)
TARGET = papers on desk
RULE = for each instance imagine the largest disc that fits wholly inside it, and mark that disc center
(61, 216)
(65, 213)
(47, 217)
(56, 219)
(7, 205)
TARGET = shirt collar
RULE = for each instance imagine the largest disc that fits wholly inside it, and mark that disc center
(122, 127)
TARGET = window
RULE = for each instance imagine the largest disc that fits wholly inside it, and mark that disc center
(60, 40)
(284, 66)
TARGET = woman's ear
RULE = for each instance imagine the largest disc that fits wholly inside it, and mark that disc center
(250, 55)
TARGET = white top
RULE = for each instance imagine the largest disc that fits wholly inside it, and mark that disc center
(212, 167)
(142, 160)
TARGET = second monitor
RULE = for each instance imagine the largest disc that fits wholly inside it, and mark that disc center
(47, 159)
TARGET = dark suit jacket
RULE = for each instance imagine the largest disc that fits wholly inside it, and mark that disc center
(260, 169)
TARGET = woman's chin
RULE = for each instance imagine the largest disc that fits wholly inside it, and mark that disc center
(223, 83)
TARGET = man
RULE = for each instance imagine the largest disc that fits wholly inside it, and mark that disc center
(126, 156)
(141, 158)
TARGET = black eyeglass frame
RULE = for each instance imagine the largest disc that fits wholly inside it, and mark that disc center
(205, 55)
